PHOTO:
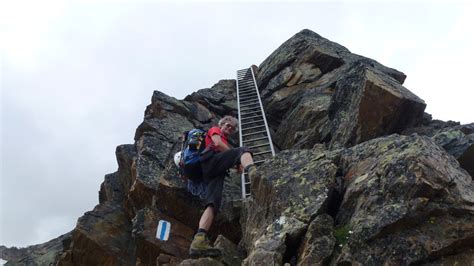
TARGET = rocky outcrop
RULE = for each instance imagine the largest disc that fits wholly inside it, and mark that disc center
(363, 176)
(406, 201)
(42, 254)
(395, 200)
(456, 139)
(145, 189)
(317, 91)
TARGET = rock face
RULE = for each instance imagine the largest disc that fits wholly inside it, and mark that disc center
(316, 91)
(146, 189)
(363, 176)
(41, 254)
(456, 139)
(406, 201)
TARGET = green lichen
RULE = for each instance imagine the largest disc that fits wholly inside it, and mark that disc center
(432, 220)
(341, 234)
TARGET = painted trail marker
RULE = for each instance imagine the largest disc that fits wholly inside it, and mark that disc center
(163, 230)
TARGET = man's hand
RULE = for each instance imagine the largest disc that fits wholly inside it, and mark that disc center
(216, 139)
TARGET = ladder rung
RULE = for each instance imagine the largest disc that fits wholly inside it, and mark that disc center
(253, 122)
(252, 127)
(246, 101)
(246, 108)
(251, 108)
(258, 112)
(248, 93)
(242, 89)
(258, 162)
(249, 98)
(258, 146)
(250, 113)
(246, 97)
(254, 133)
(251, 117)
(244, 105)
(248, 183)
(251, 140)
(251, 104)
(263, 152)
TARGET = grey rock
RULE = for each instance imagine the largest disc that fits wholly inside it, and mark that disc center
(201, 262)
(42, 254)
(318, 243)
(407, 201)
(230, 253)
(456, 139)
(339, 98)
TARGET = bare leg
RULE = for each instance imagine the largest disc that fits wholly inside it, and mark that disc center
(246, 159)
(207, 218)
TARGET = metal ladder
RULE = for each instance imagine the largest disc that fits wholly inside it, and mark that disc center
(253, 126)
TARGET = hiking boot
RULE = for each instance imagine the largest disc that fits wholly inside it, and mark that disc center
(200, 247)
(252, 171)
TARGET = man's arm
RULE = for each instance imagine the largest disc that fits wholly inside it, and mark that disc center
(216, 138)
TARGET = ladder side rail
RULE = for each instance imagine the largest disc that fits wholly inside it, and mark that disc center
(263, 113)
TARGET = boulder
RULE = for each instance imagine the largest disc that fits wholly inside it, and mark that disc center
(201, 262)
(277, 242)
(289, 192)
(230, 252)
(407, 201)
(317, 91)
(318, 243)
(101, 237)
(148, 247)
(167, 260)
(456, 139)
(43, 254)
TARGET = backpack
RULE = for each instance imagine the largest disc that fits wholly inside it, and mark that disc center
(193, 145)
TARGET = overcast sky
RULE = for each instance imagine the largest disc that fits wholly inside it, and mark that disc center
(76, 78)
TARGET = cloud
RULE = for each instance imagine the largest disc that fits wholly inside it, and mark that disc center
(440, 72)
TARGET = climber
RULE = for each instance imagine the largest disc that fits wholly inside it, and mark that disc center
(216, 160)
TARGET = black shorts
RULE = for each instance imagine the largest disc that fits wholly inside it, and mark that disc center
(214, 168)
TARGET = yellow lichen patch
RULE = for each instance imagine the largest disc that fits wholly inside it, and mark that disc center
(361, 178)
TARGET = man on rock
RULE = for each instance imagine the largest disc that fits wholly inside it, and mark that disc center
(216, 160)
